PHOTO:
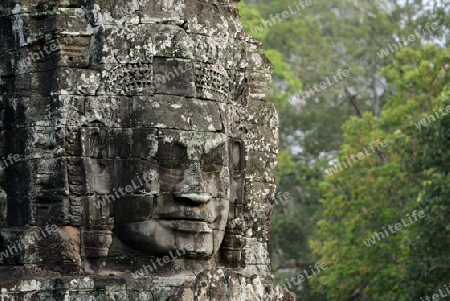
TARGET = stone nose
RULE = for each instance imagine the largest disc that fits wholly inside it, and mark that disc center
(193, 187)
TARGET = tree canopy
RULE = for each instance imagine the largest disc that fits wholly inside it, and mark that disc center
(395, 53)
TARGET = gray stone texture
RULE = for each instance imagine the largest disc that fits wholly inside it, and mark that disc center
(131, 131)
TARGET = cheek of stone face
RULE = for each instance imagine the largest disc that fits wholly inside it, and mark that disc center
(218, 182)
(221, 208)
(215, 171)
(168, 177)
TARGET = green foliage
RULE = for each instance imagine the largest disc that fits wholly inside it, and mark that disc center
(250, 19)
(312, 45)
(287, 83)
(285, 165)
(411, 173)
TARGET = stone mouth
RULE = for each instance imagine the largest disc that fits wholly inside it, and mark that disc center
(186, 215)
(187, 225)
(183, 218)
(198, 198)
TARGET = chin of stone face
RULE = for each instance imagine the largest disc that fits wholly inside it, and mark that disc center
(138, 151)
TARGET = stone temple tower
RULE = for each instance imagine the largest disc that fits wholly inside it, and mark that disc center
(137, 152)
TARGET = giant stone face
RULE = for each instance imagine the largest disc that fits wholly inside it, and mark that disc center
(146, 149)
(187, 202)
(147, 131)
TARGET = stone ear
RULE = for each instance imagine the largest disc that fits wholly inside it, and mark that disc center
(237, 156)
(237, 174)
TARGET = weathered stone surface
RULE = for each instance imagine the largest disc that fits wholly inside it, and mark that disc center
(228, 285)
(137, 152)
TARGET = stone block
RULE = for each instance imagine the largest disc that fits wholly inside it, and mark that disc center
(27, 111)
(98, 212)
(72, 21)
(162, 12)
(71, 81)
(211, 82)
(174, 77)
(171, 41)
(262, 113)
(128, 79)
(261, 167)
(99, 175)
(29, 84)
(164, 111)
(262, 139)
(202, 19)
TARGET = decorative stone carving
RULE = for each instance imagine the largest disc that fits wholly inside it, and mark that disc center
(146, 144)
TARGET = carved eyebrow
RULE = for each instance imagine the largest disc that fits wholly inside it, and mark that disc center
(171, 151)
(217, 155)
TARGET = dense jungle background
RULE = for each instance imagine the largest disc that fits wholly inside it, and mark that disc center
(398, 90)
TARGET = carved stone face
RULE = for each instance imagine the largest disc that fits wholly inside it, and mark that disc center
(173, 91)
(186, 199)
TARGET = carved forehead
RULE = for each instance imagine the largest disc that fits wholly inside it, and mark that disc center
(194, 142)
(174, 112)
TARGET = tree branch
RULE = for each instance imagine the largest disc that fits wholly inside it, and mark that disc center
(352, 99)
